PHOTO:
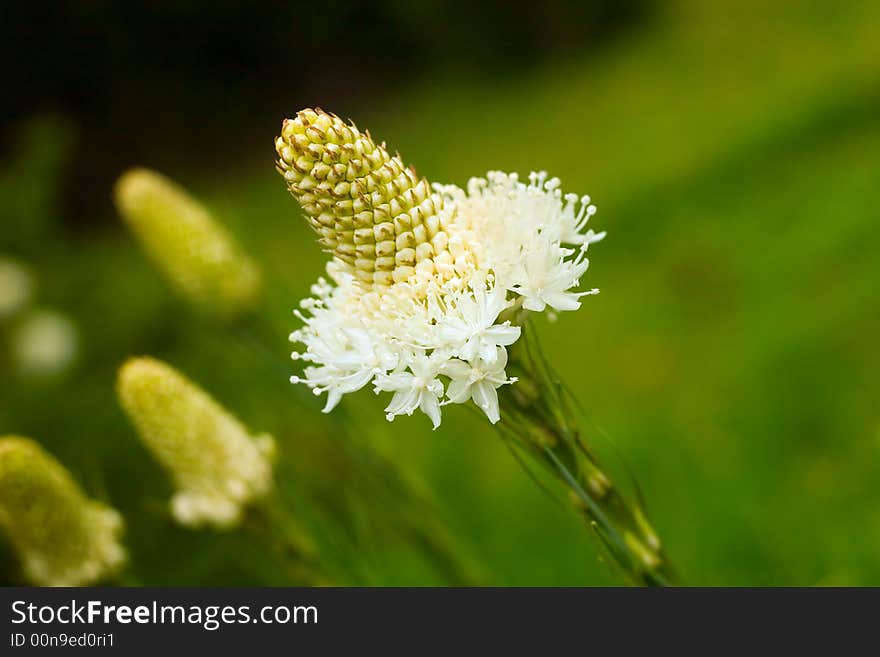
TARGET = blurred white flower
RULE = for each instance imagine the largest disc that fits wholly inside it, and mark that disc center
(16, 287)
(44, 343)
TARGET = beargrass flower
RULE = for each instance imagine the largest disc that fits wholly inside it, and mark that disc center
(428, 296)
(61, 537)
(199, 257)
(217, 466)
(423, 280)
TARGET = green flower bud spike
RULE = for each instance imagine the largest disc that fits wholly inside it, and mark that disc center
(61, 537)
(372, 212)
(217, 467)
(202, 261)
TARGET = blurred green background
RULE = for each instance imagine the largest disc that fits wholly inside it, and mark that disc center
(731, 361)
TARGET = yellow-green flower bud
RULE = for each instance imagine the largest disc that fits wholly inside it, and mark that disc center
(61, 536)
(216, 466)
(372, 212)
(200, 258)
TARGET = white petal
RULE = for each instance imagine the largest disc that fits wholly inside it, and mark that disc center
(469, 349)
(454, 330)
(393, 382)
(486, 397)
(504, 334)
(455, 369)
(333, 397)
(562, 301)
(534, 304)
(355, 381)
(488, 352)
(430, 407)
(405, 401)
(459, 391)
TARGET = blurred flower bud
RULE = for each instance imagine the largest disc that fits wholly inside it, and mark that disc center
(200, 258)
(16, 287)
(44, 343)
(62, 537)
(370, 210)
(217, 467)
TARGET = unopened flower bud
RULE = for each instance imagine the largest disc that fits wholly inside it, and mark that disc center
(216, 466)
(62, 537)
(370, 210)
(200, 258)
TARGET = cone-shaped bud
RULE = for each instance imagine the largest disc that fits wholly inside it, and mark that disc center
(372, 212)
(200, 258)
(216, 466)
(61, 536)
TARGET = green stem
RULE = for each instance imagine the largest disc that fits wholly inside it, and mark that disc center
(539, 421)
(271, 524)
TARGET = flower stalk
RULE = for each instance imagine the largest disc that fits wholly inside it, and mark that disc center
(428, 292)
(271, 524)
(539, 421)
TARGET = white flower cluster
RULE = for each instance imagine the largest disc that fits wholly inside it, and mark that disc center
(438, 338)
